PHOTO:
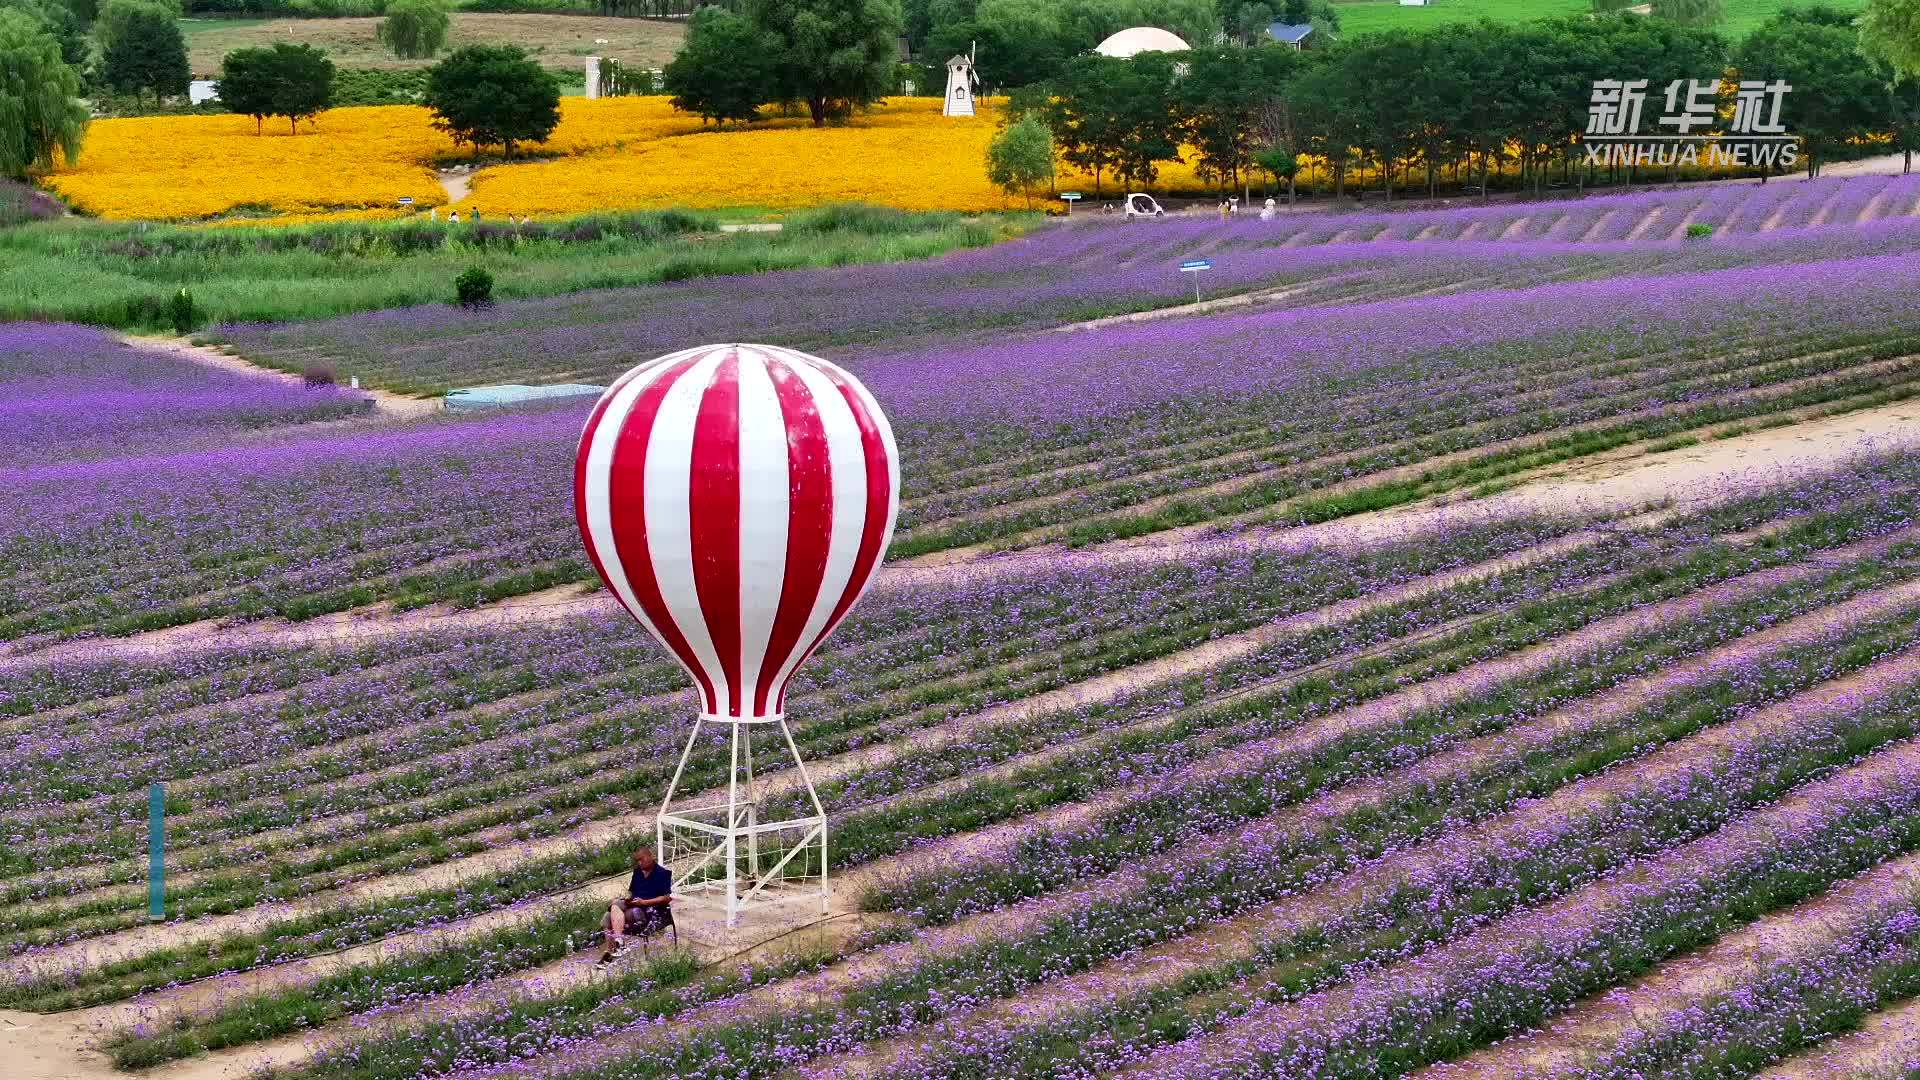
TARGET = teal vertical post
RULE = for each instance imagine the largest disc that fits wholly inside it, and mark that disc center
(156, 851)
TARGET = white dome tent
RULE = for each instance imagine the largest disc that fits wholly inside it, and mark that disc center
(1139, 39)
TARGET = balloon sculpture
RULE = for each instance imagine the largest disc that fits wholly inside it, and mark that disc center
(737, 500)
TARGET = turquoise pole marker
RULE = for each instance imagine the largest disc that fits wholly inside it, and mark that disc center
(156, 851)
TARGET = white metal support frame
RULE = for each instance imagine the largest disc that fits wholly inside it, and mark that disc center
(724, 847)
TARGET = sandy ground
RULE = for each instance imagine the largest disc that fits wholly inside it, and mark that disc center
(559, 42)
(458, 184)
(49, 1048)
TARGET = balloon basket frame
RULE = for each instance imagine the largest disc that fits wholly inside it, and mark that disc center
(721, 847)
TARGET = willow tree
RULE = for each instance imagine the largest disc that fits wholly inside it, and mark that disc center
(40, 109)
(414, 29)
(1890, 33)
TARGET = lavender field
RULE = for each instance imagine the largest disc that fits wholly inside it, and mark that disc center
(1088, 269)
(1490, 648)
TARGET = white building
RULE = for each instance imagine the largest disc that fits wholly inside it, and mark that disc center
(1139, 39)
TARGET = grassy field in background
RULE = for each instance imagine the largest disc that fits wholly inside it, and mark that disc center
(1367, 16)
(557, 41)
(123, 275)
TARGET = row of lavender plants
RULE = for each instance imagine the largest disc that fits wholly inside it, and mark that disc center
(1055, 276)
(70, 393)
(1251, 717)
(231, 791)
(1091, 440)
(968, 648)
(1233, 858)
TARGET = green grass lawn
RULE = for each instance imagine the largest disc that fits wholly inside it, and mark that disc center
(1365, 16)
(198, 24)
(124, 274)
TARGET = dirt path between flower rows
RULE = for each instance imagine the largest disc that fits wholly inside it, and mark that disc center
(1382, 715)
(1880, 775)
(1240, 935)
(1200, 307)
(1111, 685)
(1691, 477)
(1669, 995)
(386, 404)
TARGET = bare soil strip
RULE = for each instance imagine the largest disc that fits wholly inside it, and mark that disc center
(1170, 961)
(1318, 903)
(1238, 300)
(107, 948)
(1895, 765)
(387, 405)
(1665, 996)
(1697, 476)
(1646, 224)
(1886, 1047)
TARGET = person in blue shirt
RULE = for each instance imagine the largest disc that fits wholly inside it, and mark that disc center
(646, 909)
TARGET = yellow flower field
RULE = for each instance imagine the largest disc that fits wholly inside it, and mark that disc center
(903, 153)
(615, 153)
(177, 167)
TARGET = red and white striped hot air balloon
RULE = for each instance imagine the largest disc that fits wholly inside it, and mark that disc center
(737, 499)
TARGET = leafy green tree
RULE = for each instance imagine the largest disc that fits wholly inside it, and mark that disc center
(834, 55)
(1836, 97)
(1019, 43)
(1331, 113)
(493, 95)
(1086, 22)
(1283, 163)
(414, 29)
(725, 71)
(141, 49)
(40, 108)
(1085, 125)
(294, 81)
(1021, 156)
(1890, 33)
(1245, 22)
(1321, 15)
(1688, 12)
(1220, 100)
(916, 21)
(1557, 62)
(1903, 117)
(1145, 117)
(1117, 115)
(64, 24)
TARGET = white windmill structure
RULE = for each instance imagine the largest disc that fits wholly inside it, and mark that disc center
(962, 81)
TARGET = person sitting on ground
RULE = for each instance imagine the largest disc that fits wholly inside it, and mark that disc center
(647, 907)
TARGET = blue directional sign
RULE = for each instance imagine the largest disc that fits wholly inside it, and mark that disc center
(1192, 265)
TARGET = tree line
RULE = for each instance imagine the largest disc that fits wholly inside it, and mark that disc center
(481, 95)
(1464, 101)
